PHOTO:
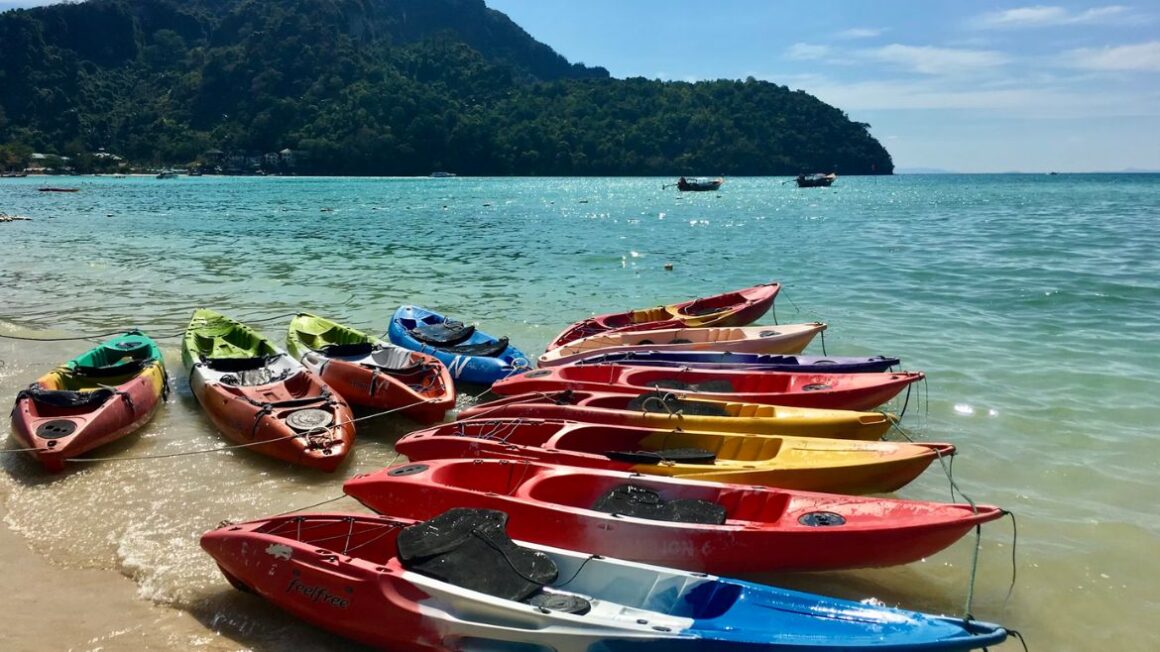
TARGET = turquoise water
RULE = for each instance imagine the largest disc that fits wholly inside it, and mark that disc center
(1032, 302)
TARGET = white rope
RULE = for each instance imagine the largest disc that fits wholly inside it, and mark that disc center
(254, 443)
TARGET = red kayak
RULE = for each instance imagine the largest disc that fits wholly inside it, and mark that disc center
(707, 527)
(832, 391)
(297, 418)
(736, 308)
(366, 371)
(808, 464)
(96, 398)
(677, 410)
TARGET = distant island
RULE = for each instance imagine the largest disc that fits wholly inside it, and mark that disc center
(377, 87)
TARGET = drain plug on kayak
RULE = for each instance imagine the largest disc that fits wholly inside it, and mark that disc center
(56, 429)
(410, 469)
(309, 419)
(822, 519)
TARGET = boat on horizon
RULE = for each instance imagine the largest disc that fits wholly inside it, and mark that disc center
(816, 180)
(695, 184)
(440, 174)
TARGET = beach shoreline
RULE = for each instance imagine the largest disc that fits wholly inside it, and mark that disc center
(59, 608)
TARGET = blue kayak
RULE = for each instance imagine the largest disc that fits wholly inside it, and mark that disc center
(471, 355)
(720, 360)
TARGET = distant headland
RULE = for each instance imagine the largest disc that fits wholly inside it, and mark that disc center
(378, 87)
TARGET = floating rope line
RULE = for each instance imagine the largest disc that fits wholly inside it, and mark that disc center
(318, 504)
(64, 339)
(902, 432)
(1019, 635)
(19, 450)
(249, 444)
(531, 397)
(1014, 542)
(905, 402)
(789, 298)
(98, 336)
(978, 533)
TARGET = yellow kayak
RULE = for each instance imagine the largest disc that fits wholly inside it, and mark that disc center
(808, 464)
(677, 411)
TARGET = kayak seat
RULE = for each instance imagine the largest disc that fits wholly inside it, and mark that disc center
(482, 350)
(106, 371)
(347, 350)
(641, 502)
(701, 307)
(666, 403)
(66, 398)
(446, 333)
(678, 455)
(235, 364)
(393, 360)
(252, 377)
(470, 548)
(247, 372)
(714, 386)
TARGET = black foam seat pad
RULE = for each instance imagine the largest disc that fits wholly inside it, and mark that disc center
(66, 398)
(470, 548)
(236, 364)
(483, 349)
(347, 350)
(642, 502)
(446, 333)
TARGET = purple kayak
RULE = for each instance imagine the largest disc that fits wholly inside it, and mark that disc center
(745, 361)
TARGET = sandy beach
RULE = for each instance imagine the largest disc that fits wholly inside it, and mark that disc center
(53, 608)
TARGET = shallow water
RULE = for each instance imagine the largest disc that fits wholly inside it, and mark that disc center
(1032, 302)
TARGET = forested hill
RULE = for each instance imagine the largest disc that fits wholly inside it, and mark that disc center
(393, 87)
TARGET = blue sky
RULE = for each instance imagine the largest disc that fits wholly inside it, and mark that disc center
(967, 86)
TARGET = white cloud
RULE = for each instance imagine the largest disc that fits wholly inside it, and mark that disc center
(1140, 57)
(1018, 99)
(931, 60)
(807, 51)
(1044, 16)
(5, 5)
(860, 32)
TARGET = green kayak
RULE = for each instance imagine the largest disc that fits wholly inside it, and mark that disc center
(261, 398)
(213, 336)
(313, 333)
(370, 372)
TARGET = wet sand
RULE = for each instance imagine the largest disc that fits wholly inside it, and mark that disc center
(51, 608)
